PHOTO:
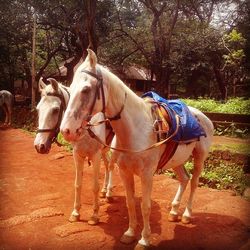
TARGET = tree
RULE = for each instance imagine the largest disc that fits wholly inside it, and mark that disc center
(64, 30)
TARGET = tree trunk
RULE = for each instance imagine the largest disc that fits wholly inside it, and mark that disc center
(33, 74)
(191, 84)
(162, 81)
(221, 83)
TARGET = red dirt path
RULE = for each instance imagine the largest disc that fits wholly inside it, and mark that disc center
(36, 199)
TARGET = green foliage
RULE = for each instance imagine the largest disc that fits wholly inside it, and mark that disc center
(224, 175)
(232, 106)
(67, 145)
(220, 175)
(231, 131)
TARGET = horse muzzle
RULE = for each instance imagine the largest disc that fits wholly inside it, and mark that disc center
(42, 148)
(70, 135)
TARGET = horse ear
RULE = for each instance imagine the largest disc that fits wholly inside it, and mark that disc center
(92, 58)
(41, 84)
(53, 83)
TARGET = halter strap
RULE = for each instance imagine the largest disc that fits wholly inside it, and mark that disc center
(56, 129)
(99, 88)
(118, 115)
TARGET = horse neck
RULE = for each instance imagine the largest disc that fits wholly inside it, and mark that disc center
(136, 118)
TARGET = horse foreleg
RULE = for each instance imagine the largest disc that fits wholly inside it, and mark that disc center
(146, 183)
(198, 166)
(108, 180)
(96, 159)
(128, 182)
(79, 161)
(106, 176)
(183, 178)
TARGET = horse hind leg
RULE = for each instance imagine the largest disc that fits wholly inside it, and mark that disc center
(6, 113)
(109, 194)
(183, 178)
(198, 167)
(9, 108)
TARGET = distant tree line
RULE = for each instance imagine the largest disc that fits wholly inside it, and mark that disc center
(201, 47)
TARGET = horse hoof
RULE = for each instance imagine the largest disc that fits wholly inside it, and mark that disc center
(93, 221)
(110, 199)
(102, 194)
(74, 218)
(173, 217)
(185, 219)
(141, 247)
(125, 239)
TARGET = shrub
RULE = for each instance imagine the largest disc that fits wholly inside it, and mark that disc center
(233, 106)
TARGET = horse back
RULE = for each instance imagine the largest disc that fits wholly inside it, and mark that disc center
(6, 98)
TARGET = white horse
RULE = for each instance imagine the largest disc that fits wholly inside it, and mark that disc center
(135, 136)
(54, 99)
(6, 102)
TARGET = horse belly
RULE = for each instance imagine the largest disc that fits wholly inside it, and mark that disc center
(181, 155)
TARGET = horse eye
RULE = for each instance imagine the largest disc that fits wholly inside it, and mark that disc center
(85, 90)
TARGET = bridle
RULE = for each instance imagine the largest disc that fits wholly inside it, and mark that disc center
(99, 88)
(55, 131)
(99, 93)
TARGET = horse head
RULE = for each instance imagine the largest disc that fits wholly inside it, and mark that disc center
(50, 110)
(86, 98)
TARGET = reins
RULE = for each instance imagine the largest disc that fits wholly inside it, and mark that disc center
(93, 135)
(99, 88)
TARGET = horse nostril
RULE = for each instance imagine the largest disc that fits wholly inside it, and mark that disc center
(65, 131)
(79, 131)
(42, 147)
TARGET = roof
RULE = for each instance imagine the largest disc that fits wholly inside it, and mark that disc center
(138, 73)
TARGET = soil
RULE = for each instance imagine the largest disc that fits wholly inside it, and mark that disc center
(37, 198)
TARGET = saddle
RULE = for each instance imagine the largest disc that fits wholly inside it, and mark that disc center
(188, 129)
(162, 128)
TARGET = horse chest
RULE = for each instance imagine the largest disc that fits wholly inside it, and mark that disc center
(138, 163)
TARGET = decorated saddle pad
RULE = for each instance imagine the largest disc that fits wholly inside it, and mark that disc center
(189, 127)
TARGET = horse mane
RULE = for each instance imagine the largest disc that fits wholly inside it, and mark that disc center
(119, 86)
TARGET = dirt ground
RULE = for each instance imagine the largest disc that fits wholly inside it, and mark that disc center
(36, 199)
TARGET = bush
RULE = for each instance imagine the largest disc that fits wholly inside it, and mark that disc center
(233, 106)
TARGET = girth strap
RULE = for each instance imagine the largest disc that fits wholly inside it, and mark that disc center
(168, 153)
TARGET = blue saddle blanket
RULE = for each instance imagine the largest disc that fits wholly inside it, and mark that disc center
(189, 127)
